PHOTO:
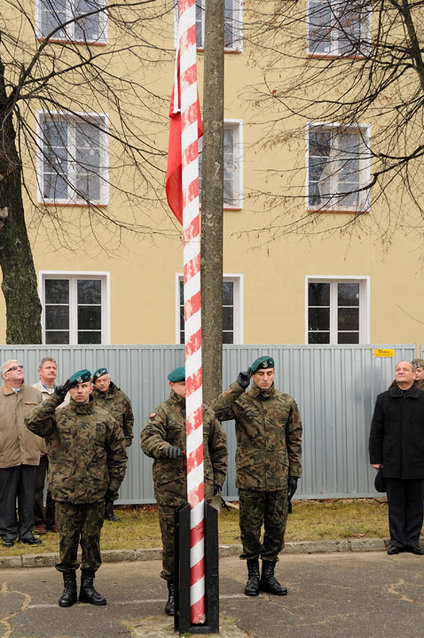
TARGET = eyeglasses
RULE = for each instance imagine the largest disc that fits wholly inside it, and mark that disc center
(14, 368)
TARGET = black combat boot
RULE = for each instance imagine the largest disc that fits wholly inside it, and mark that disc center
(268, 581)
(109, 513)
(170, 603)
(87, 592)
(69, 595)
(252, 585)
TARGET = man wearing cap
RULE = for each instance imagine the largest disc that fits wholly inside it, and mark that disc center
(87, 460)
(19, 456)
(418, 365)
(164, 439)
(110, 397)
(396, 445)
(269, 440)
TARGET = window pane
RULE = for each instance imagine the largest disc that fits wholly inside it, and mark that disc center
(228, 24)
(228, 337)
(53, 14)
(348, 319)
(319, 26)
(57, 337)
(87, 27)
(319, 294)
(89, 318)
(89, 337)
(348, 337)
(318, 337)
(228, 293)
(319, 318)
(229, 168)
(56, 290)
(57, 317)
(348, 294)
(200, 14)
(227, 318)
(89, 291)
(55, 159)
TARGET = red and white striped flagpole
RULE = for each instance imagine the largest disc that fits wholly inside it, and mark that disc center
(192, 316)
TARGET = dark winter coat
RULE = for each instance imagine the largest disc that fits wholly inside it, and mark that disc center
(397, 433)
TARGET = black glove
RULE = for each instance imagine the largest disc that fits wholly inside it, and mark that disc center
(62, 390)
(243, 378)
(172, 451)
(110, 495)
(216, 489)
(292, 486)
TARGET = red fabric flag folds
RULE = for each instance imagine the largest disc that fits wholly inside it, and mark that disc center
(174, 186)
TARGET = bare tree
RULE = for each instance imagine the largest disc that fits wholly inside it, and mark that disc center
(212, 200)
(76, 86)
(329, 69)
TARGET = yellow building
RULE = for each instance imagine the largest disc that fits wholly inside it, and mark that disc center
(296, 269)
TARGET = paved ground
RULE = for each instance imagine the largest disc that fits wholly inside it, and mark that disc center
(332, 595)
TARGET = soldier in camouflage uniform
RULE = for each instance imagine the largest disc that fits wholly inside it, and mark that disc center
(269, 434)
(110, 397)
(164, 439)
(87, 460)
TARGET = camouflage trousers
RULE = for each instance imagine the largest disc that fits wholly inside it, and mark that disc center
(269, 509)
(79, 524)
(166, 521)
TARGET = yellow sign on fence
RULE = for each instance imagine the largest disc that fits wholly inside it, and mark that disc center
(383, 352)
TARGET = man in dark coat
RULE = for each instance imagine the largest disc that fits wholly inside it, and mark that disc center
(397, 446)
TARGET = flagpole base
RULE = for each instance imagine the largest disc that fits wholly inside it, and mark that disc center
(182, 618)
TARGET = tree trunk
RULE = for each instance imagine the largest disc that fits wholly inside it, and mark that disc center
(212, 199)
(23, 308)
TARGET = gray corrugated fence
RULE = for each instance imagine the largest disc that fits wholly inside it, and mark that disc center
(334, 386)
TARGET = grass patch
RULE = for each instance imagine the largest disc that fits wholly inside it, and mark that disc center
(310, 521)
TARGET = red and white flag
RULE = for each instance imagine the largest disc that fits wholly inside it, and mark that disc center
(174, 186)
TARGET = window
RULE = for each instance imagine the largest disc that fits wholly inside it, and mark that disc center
(337, 310)
(73, 159)
(232, 330)
(338, 167)
(232, 24)
(83, 20)
(339, 27)
(74, 308)
(233, 155)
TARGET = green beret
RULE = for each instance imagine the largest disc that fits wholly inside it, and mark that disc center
(177, 375)
(418, 363)
(99, 373)
(263, 363)
(82, 376)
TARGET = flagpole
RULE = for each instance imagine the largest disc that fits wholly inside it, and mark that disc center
(192, 314)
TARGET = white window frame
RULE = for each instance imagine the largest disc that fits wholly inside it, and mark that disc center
(238, 329)
(364, 304)
(73, 276)
(70, 28)
(364, 170)
(333, 49)
(103, 174)
(237, 26)
(237, 173)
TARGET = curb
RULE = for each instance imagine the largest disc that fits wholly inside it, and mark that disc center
(130, 555)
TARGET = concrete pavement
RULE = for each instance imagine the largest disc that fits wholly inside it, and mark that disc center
(339, 594)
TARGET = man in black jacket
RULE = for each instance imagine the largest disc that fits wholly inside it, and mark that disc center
(397, 446)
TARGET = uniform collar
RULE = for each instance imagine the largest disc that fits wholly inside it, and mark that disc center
(258, 393)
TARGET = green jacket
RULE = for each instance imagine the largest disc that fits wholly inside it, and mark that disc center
(119, 406)
(86, 449)
(166, 426)
(269, 435)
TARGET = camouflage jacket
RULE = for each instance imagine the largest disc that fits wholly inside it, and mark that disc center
(86, 449)
(119, 406)
(166, 426)
(269, 435)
